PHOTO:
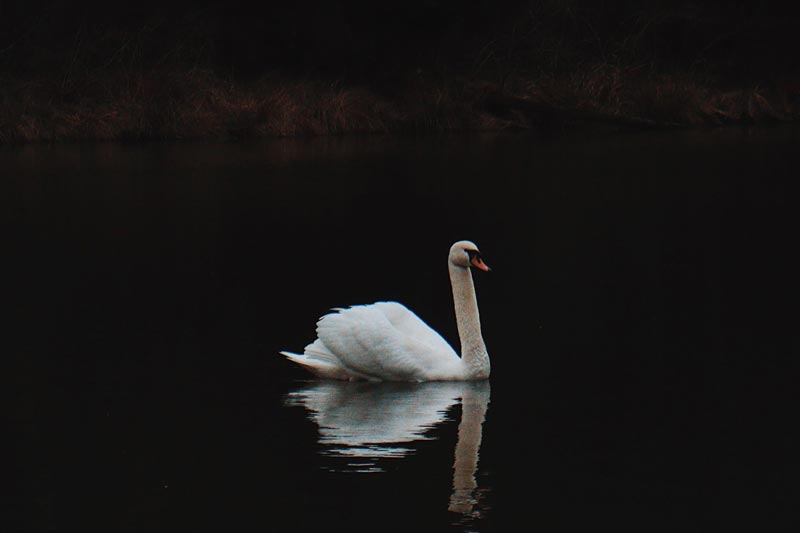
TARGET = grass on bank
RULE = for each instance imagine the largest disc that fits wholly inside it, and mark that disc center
(197, 104)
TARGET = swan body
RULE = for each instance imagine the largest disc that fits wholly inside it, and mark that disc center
(385, 341)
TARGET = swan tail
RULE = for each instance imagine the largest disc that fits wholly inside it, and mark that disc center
(317, 359)
(317, 350)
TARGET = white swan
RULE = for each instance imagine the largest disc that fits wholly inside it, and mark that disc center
(387, 342)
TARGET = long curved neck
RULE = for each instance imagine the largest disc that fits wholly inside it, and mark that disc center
(473, 349)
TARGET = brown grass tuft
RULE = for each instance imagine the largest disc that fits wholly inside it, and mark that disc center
(194, 104)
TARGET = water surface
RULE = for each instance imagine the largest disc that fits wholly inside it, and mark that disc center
(638, 317)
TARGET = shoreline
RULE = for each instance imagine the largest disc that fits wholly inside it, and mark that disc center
(197, 104)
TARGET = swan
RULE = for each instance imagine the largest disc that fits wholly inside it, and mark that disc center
(385, 341)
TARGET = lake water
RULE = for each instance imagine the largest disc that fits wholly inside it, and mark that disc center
(640, 316)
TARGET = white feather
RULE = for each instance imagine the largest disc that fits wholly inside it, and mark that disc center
(385, 341)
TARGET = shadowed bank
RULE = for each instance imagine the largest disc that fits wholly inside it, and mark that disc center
(238, 70)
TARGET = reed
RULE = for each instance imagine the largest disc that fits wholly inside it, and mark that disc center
(198, 104)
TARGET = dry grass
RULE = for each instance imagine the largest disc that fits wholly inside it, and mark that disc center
(546, 63)
(679, 99)
(187, 105)
(195, 104)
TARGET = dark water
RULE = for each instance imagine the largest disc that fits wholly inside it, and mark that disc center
(641, 319)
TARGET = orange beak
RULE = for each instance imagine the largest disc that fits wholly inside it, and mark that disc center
(477, 262)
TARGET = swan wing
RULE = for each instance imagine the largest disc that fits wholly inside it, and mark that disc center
(407, 322)
(386, 341)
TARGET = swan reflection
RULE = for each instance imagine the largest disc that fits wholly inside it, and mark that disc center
(365, 422)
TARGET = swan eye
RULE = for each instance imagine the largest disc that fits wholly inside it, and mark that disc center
(476, 260)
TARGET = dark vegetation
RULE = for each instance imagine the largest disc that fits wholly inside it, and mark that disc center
(233, 69)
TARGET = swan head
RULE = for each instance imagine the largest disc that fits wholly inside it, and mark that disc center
(465, 254)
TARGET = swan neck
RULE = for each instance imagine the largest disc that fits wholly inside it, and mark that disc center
(473, 349)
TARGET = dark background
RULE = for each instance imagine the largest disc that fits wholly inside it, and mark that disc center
(384, 42)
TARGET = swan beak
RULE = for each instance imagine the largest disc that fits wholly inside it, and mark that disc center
(477, 262)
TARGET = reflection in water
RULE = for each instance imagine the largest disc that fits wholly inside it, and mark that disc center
(365, 422)
(474, 402)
